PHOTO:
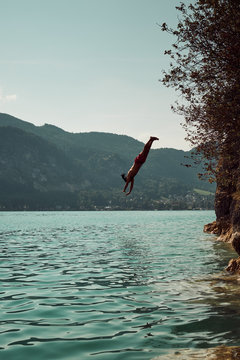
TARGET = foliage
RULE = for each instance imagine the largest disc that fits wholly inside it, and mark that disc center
(205, 70)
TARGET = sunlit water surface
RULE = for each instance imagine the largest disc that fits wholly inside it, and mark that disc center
(113, 285)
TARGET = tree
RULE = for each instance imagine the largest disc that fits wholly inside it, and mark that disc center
(205, 70)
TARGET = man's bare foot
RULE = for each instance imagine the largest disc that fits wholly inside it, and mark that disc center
(153, 138)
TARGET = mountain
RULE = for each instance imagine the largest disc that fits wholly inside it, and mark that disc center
(45, 167)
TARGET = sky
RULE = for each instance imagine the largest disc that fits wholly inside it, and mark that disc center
(90, 65)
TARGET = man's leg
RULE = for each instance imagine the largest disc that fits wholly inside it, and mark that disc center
(148, 145)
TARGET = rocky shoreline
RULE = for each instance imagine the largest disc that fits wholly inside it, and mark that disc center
(227, 224)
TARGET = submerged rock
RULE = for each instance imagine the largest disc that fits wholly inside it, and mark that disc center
(218, 353)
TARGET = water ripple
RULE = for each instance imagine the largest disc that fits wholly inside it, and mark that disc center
(112, 285)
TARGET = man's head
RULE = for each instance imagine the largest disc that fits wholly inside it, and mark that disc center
(124, 177)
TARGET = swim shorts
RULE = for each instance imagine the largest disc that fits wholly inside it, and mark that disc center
(140, 159)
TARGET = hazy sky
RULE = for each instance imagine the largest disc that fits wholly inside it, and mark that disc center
(89, 65)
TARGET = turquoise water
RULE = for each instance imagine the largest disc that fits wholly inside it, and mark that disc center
(112, 285)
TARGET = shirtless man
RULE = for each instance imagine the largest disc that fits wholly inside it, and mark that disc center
(138, 162)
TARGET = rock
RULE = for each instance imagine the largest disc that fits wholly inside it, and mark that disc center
(236, 242)
(234, 266)
(211, 228)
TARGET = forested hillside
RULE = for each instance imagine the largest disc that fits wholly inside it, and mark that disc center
(48, 168)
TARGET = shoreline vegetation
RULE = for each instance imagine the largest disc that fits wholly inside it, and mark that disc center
(97, 210)
(99, 201)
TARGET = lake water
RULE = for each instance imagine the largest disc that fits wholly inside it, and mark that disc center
(113, 285)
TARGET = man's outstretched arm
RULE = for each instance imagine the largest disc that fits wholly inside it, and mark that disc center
(126, 185)
(131, 187)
